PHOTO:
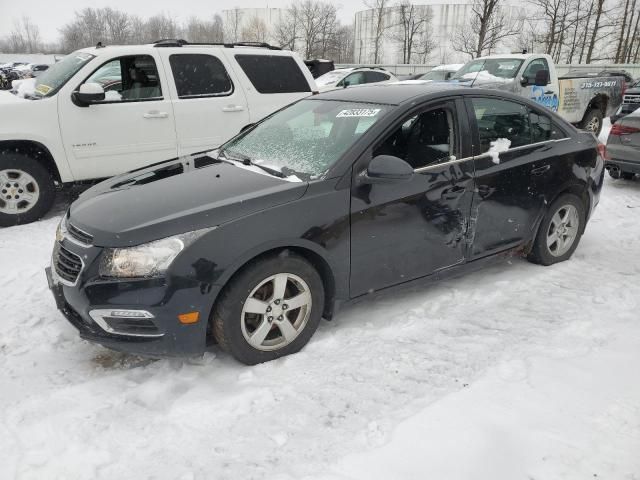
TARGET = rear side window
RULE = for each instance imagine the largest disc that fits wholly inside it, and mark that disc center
(543, 129)
(374, 77)
(273, 73)
(501, 119)
(200, 75)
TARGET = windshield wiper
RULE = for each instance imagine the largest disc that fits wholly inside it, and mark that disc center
(245, 160)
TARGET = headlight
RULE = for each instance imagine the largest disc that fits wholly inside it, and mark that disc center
(61, 231)
(147, 260)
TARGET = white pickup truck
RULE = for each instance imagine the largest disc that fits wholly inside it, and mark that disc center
(583, 101)
(107, 110)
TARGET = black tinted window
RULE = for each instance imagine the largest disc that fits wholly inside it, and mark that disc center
(373, 77)
(273, 73)
(198, 75)
(543, 129)
(501, 119)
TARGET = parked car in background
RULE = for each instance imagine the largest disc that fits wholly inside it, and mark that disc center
(37, 68)
(441, 73)
(623, 147)
(106, 110)
(630, 102)
(334, 197)
(348, 77)
(319, 67)
(582, 100)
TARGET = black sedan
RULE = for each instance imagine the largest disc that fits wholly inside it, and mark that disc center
(336, 196)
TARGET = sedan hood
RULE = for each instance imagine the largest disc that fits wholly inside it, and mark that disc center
(175, 197)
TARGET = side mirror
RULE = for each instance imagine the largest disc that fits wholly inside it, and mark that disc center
(346, 83)
(386, 169)
(524, 81)
(542, 78)
(89, 93)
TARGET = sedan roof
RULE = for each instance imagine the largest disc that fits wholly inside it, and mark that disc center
(387, 93)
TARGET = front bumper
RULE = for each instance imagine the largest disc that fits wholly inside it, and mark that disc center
(86, 303)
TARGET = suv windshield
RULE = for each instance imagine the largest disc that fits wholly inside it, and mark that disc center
(57, 75)
(487, 69)
(305, 139)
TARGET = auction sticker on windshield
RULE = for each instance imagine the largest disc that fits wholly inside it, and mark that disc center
(43, 89)
(359, 112)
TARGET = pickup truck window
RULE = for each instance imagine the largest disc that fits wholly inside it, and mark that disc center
(59, 74)
(533, 68)
(501, 119)
(273, 73)
(127, 79)
(501, 68)
(200, 75)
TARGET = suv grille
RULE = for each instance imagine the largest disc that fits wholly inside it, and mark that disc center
(79, 235)
(631, 98)
(68, 265)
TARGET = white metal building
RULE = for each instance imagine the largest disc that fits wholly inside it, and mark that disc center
(446, 18)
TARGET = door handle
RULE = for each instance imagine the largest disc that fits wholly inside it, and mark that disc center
(155, 114)
(233, 108)
(541, 170)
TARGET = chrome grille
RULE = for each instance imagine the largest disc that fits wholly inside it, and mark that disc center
(67, 264)
(78, 235)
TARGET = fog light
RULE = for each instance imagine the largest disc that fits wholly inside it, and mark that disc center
(187, 318)
(130, 314)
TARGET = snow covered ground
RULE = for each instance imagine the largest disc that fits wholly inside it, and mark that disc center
(514, 372)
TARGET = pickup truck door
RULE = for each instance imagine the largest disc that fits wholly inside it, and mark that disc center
(545, 95)
(131, 128)
(209, 106)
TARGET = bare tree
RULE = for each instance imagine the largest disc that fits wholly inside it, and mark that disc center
(380, 25)
(255, 30)
(310, 23)
(202, 31)
(285, 33)
(233, 25)
(412, 23)
(488, 26)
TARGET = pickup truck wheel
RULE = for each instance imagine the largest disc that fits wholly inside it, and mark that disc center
(592, 121)
(560, 231)
(269, 309)
(27, 189)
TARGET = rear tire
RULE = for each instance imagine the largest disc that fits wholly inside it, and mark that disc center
(269, 309)
(614, 173)
(592, 121)
(560, 231)
(27, 189)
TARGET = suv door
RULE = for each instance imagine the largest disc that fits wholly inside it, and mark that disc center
(516, 161)
(131, 128)
(210, 108)
(407, 230)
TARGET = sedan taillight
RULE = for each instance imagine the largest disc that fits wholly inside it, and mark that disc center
(602, 151)
(618, 130)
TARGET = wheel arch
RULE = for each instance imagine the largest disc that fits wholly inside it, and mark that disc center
(311, 253)
(580, 190)
(35, 150)
(599, 102)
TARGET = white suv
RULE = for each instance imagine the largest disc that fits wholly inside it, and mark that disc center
(107, 110)
(348, 77)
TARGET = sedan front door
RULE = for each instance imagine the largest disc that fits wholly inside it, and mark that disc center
(407, 230)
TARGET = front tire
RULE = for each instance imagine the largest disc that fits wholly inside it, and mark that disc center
(27, 189)
(269, 309)
(560, 231)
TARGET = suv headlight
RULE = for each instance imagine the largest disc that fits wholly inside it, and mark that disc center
(146, 260)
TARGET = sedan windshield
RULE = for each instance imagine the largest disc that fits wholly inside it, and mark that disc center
(54, 78)
(497, 68)
(306, 138)
(331, 78)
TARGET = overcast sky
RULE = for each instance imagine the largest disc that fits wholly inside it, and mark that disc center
(50, 15)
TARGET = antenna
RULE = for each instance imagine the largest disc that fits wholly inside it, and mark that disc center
(477, 74)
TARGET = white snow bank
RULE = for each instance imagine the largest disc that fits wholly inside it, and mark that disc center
(24, 87)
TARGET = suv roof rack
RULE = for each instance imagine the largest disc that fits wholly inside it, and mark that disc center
(173, 42)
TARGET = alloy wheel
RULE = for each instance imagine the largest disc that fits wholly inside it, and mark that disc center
(276, 311)
(563, 230)
(19, 192)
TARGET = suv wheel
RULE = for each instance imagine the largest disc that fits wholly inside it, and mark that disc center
(560, 231)
(27, 190)
(271, 308)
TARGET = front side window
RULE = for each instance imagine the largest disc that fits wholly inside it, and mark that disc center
(306, 138)
(199, 75)
(54, 78)
(356, 78)
(128, 79)
(273, 73)
(501, 120)
(533, 68)
(422, 140)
